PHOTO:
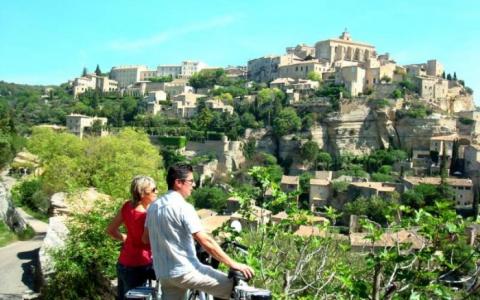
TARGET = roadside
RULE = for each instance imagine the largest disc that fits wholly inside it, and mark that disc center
(20, 259)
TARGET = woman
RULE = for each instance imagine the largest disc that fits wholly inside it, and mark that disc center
(134, 265)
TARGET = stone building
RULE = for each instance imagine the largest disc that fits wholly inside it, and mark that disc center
(289, 184)
(320, 193)
(93, 82)
(77, 124)
(218, 105)
(353, 77)
(300, 69)
(302, 51)
(185, 70)
(369, 189)
(344, 48)
(185, 105)
(127, 75)
(265, 69)
(463, 188)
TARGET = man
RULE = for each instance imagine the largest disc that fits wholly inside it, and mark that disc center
(172, 225)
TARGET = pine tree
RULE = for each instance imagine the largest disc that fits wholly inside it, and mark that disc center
(443, 75)
(98, 72)
(454, 75)
(449, 77)
(84, 72)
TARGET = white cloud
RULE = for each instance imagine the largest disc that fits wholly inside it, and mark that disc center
(161, 37)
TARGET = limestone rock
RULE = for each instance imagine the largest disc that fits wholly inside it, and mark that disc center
(55, 239)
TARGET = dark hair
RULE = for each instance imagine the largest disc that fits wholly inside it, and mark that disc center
(179, 171)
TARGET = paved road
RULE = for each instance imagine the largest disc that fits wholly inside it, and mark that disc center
(17, 260)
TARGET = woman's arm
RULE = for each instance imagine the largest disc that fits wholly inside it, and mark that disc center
(113, 228)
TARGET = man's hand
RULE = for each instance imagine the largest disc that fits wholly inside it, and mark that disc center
(246, 270)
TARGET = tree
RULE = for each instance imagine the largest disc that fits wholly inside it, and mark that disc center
(309, 152)
(449, 77)
(209, 197)
(286, 122)
(443, 75)
(84, 72)
(324, 160)
(312, 75)
(98, 72)
(455, 76)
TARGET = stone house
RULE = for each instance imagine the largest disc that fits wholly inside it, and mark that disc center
(218, 105)
(302, 51)
(463, 188)
(257, 216)
(127, 75)
(77, 124)
(320, 193)
(301, 69)
(370, 189)
(265, 69)
(353, 77)
(289, 184)
(93, 82)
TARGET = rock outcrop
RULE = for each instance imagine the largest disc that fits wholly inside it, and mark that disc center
(8, 212)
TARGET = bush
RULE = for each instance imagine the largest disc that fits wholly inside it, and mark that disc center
(380, 103)
(466, 121)
(209, 197)
(173, 141)
(84, 266)
(215, 136)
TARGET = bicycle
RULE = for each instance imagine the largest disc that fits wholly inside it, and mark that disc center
(241, 289)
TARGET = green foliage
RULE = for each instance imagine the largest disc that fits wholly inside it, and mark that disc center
(381, 177)
(339, 186)
(30, 194)
(312, 75)
(177, 142)
(380, 103)
(322, 266)
(6, 236)
(324, 160)
(167, 78)
(408, 85)
(107, 163)
(375, 208)
(397, 93)
(309, 152)
(209, 197)
(286, 122)
(386, 79)
(214, 136)
(87, 261)
(466, 121)
(269, 104)
(249, 148)
(208, 78)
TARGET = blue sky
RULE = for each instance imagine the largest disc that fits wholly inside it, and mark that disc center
(49, 42)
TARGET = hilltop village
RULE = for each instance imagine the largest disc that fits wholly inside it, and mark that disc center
(325, 154)
(380, 105)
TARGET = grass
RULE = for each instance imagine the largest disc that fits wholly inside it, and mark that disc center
(6, 236)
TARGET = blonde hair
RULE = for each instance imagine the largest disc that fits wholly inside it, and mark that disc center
(139, 186)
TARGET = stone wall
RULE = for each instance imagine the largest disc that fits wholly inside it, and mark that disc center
(8, 213)
(416, 133)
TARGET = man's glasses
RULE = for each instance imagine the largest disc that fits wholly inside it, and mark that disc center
(191, 181)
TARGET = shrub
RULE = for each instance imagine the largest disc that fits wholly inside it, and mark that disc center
(466, 121)
(173, 141)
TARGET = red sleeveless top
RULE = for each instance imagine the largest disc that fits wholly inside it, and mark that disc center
(134, 252)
